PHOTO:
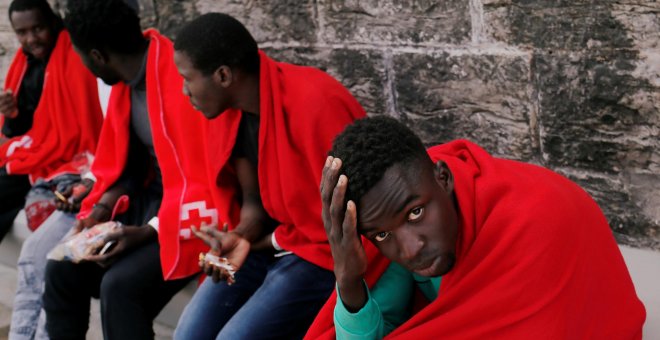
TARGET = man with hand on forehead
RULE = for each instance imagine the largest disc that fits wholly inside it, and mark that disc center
(500, 249)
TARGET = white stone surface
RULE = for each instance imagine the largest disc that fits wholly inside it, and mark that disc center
(644, 267)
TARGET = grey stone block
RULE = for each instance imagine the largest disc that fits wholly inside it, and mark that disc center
(268, 21)
(484, 98)
(407, 22)
(564, 25)
(617, 200)
(594, 114)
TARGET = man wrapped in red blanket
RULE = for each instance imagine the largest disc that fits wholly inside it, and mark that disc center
(151, 151)
(272, 124)
(49, 112)
(501, 249)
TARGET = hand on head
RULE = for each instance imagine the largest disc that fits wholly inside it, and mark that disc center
(340, 222)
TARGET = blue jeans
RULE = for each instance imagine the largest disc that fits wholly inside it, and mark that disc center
(28, 319)
(271, 298)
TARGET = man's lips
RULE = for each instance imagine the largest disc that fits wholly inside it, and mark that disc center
(428, 267)
(37, 49)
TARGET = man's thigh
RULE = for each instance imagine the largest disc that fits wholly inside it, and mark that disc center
(13, 188)
(46, 237)
(285, 305)
(137, 277)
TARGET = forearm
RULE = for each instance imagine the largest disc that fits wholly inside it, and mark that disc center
(252, 223)
(111, 196)
(364, 323)
(353, 293)
(263, 243)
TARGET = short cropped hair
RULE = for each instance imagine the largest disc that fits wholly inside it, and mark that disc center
(369, 147)
(105, 25)
(43, 6)
(216, 39)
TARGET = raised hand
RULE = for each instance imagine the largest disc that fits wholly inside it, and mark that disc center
(340, 222)
(8, 104)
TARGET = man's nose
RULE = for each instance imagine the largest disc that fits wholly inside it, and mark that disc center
(30, 37)
(410, 244)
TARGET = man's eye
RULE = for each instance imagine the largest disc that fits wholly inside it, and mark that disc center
(415, 214)
(382, 236)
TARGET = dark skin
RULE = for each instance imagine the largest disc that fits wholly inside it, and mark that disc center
(37, 38)
(212, 94)
(112, 68)
(73, 196)
(410, 215)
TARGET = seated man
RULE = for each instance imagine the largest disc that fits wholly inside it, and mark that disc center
(49, 124)
(53, 123)
(272, 125)
(150, 150)
(502, 249)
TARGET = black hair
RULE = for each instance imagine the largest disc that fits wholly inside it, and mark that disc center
(43, 6)
(369, 147)
(105, 25)
(216, 39)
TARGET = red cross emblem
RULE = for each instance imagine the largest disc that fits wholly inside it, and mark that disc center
(195, 214)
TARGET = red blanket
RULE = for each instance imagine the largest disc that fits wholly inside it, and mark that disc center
(67, 120)
(301, 111)
(179, 141)
(535, 260)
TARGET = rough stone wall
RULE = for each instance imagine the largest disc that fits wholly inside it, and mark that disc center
(570, 85)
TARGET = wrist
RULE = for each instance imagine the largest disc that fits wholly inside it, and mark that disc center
(351, 283)
(353, 294)
(101, 212)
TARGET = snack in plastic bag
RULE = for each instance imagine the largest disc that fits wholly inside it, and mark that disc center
(220, 262)
(77, 247)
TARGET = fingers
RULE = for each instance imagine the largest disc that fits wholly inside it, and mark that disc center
(349, 226)
(328, 183)
(329, 178)
(115, 235)
(337, 206)
(208, 239)
(78, 226)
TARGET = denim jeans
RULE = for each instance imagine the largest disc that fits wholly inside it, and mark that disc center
(275, 298)
(28, 319)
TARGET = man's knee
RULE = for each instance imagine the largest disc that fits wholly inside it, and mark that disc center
(115, 285)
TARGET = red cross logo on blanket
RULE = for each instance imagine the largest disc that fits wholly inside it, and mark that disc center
(195, 214)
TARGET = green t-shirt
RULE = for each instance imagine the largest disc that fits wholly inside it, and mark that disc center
(388, 305)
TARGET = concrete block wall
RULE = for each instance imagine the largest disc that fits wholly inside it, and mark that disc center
(570, 85)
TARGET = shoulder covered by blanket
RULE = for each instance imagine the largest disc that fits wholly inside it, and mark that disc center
(302, 109)
(67, 120)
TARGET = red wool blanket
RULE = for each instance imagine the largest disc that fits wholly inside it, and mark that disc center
(301, 111)
(535, 260)
(179, 137)
(67, 120)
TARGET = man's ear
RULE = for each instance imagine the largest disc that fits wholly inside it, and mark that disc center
(444, 176)
(98, 56)
(223, 76)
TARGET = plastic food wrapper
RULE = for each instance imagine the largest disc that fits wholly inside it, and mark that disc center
(220, 262)
(77, 247)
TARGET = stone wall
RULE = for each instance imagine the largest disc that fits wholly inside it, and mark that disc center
(571, 85)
